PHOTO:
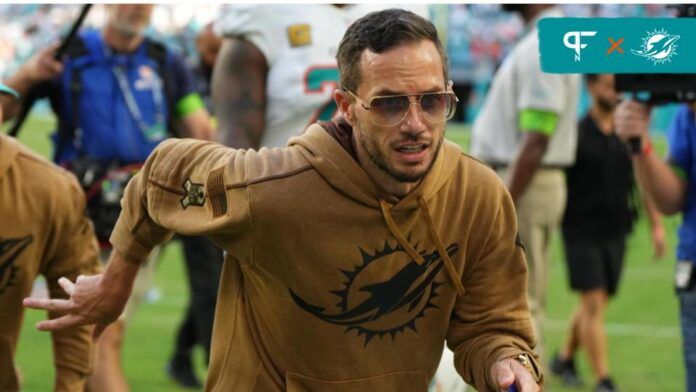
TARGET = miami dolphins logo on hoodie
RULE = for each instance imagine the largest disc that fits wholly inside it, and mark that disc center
(376, 305)
(10, 249)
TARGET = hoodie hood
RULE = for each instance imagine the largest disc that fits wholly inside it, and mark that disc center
(340, 169)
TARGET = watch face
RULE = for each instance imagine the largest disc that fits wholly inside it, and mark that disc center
(524, 360)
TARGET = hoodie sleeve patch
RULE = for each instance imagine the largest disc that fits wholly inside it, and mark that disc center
(217, 192)
(194, 194)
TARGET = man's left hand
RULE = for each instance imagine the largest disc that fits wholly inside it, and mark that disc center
(509, 371)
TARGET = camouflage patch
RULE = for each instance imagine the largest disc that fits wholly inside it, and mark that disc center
(195, 194)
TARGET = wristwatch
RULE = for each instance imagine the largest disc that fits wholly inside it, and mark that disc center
(523, 359)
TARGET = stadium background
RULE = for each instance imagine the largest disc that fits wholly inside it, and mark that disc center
(642, 323)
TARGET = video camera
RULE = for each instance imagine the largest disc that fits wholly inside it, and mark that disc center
(658, 89)
(684, 10)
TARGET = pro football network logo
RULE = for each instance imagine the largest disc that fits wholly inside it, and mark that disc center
(572, 40)
(658, 46)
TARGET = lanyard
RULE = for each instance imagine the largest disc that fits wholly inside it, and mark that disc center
(132, 105)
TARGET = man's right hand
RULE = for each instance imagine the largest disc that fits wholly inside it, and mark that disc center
(89, 303)
(42, 66)
(631, 120)
(508, 372)
(98, 299)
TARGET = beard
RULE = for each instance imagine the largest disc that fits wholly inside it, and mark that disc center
(379, 159)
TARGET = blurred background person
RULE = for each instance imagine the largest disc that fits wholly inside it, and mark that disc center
(669, 183)
(276, 71)
(116, 95)
(527, 132)
(44, 231)
(598, 218)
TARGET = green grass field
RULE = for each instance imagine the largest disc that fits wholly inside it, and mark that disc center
(642, 321)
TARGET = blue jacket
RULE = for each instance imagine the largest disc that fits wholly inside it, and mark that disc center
(91, 98)
(682, 153)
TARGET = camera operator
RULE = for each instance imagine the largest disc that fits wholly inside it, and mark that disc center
(668, 183)
(599, 216)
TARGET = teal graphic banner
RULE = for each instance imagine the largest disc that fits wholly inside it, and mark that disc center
(617, 45)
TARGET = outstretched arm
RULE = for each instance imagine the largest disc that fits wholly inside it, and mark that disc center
(181, 188)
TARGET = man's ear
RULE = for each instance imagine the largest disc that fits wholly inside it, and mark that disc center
(343, 102)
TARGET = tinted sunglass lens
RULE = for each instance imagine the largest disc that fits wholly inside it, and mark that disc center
(389, 110)
(433, 104)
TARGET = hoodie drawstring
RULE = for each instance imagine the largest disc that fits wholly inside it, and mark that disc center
(441, 248)
(449, 265)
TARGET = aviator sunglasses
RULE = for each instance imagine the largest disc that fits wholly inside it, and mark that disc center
(390, 110)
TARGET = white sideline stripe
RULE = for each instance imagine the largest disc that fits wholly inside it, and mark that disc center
(634, 330)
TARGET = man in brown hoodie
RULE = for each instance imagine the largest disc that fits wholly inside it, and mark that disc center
(354, 253)
(43, 230)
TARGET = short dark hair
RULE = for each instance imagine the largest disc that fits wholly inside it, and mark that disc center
(380, 31)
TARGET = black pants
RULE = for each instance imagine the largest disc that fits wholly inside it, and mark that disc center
(204, 266)
(595, 264)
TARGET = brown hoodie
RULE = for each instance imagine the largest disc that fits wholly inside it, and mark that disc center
(326, 286)
(43, 230)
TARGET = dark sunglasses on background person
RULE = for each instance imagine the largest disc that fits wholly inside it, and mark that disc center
(390, 110)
